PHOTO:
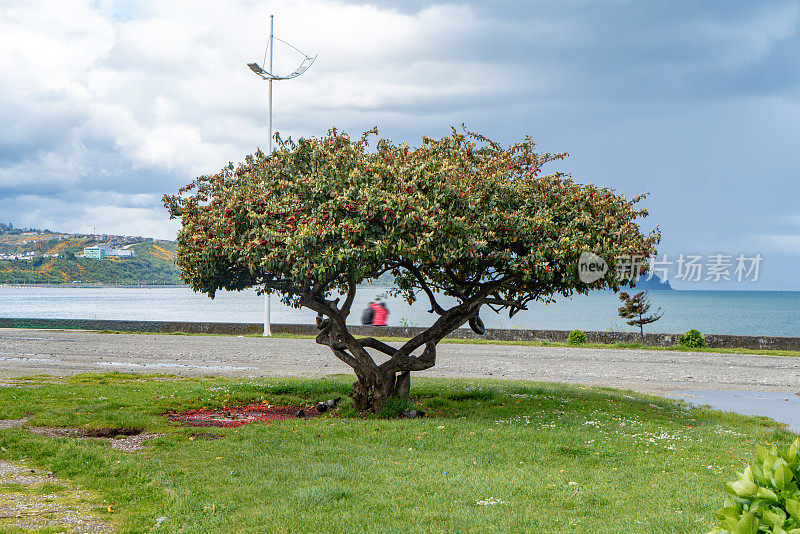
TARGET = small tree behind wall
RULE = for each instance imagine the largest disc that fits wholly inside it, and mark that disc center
(635, 308)
(462, 217)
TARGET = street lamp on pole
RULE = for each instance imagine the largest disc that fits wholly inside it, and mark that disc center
(270, 77)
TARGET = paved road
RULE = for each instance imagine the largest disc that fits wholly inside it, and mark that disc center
(25, 352)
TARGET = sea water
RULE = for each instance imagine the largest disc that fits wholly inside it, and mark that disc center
(783, 407)
(773, 313)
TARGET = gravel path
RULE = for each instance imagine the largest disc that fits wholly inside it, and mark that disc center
(26, 352)
(34, 499)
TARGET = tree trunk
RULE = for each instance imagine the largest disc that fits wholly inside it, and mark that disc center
(402, 386)
(371, 393)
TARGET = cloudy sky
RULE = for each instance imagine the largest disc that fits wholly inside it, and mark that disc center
(106, 105)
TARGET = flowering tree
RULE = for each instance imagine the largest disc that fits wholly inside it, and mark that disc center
(460, 216)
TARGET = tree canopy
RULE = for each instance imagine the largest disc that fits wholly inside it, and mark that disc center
(461, 216)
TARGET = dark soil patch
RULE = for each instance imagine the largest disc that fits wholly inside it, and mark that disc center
(234, 416)
(112, 432)
(121, 438)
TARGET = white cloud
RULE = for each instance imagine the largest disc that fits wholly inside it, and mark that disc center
(737, 42)
(94, 213)
(143, 101)
(157, 88)
(106, 101)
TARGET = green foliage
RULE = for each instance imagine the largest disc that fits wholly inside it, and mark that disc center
(8, 228)
(692, 339)
(765, 498)
(576, 337)
(453, 212)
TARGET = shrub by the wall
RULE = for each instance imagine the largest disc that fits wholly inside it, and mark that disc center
(692, 339)
(576, 337)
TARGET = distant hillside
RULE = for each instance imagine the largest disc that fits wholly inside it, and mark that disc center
(43, 257)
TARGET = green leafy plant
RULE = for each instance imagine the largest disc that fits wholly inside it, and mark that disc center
(692, 339)
(576, 337)
(765, 498)
(461, 217)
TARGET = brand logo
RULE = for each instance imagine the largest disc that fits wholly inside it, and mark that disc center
(591, 267)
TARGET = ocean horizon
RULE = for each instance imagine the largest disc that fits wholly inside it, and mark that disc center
(745, 312)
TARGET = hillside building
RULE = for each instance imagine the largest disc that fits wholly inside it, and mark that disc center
(102, 250)
(97, 252)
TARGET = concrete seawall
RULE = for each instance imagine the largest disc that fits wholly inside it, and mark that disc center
(240, 329)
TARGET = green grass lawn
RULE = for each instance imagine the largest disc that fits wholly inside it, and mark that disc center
(491, 457)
